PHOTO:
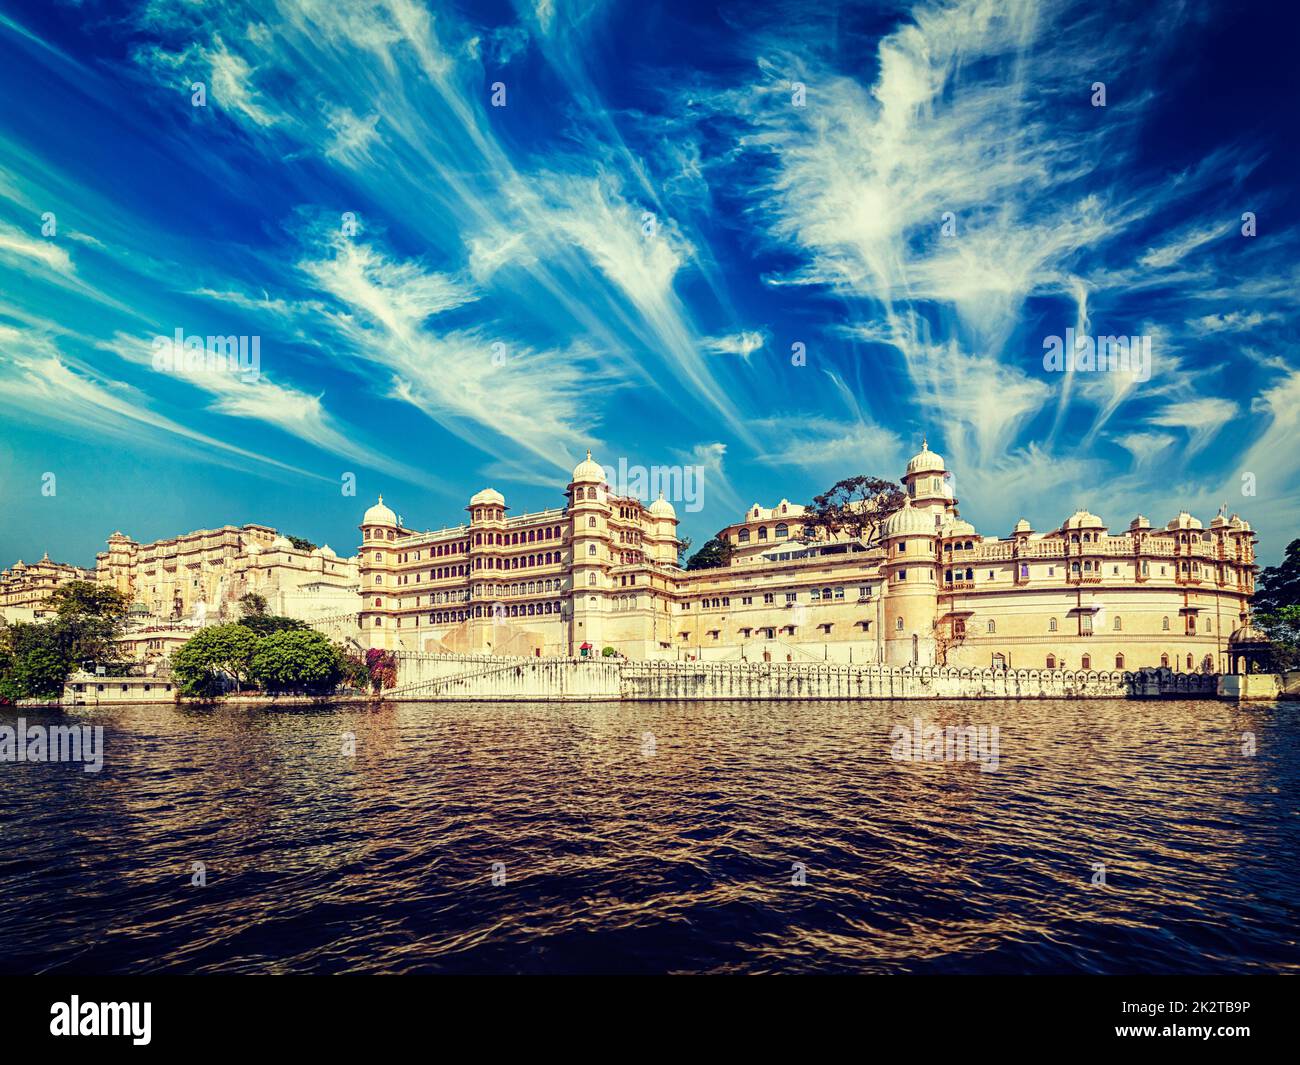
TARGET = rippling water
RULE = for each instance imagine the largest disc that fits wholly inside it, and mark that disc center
(623, 852)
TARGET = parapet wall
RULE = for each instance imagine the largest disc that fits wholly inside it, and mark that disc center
(494, 677)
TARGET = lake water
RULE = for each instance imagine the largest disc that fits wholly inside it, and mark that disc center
(657, 838)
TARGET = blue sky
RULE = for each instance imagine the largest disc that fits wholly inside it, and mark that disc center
(506, 302)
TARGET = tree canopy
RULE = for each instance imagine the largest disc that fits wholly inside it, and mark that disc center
(716, 552)
(856, 506)
(299, 661)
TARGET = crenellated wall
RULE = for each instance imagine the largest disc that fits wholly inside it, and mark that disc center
(491, 677)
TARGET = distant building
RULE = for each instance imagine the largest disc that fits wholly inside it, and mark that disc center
(201, 576)
(927, 590)
(25, 588)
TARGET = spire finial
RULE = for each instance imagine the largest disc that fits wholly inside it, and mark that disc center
(381, 498)
(925, 442)
(588, 454)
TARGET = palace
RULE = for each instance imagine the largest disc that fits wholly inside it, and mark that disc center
(24, 589)
(602, 571)
(200, 576)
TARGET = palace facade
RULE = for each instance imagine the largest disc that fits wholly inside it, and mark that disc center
(25, 588)
(602, 571)
(200, 576)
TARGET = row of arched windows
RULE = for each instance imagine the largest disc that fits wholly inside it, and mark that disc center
(526, 536)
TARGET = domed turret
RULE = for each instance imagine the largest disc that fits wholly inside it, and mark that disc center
(488, 497)
(281, 543)
(1082, 519)
(661, 508)
(588, 471)
(926, 461)
(379, 515)
(325, 552)
(907, 520)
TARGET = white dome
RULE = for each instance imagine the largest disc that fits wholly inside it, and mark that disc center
(907, 520)
(1082, 519)
(661, 508)
(325, 552)
(253, 548)
(281, 543)
(957, 527)
(587, 470)
(925, 461)
(379, 515)
(487, 497)
(1022, 526)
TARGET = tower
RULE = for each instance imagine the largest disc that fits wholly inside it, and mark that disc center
(910, 566)
(589, 525)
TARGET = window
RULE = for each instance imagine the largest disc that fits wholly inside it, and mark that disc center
(1118, 626)
(782, 530)
(1051, 661)
(899, 625)
(1051, 624)
(902, 574)
(1164, 661)
(591, 549)
(992, 625)
(743, 536)
(1086, 664)
(1119, 661)
(762, 533)
(1164, 624)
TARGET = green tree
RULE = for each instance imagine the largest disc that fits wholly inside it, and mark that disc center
(683, 549)
(265, 624)
(35, 662)
(301, 543)
(200, 661)
(714, 553)
(88, 619)
(857, 506)
(1275, 608)
(298, 661)
(253, 605)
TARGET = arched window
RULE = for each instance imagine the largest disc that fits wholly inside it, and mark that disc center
(1164, 661)
(1051, 624)
(1119, 661)
(1086, 664)
(591, 549)
(591, 579)
(1164, 624)
(1118, 625)
(379, 602)
(743, 536)
(899, 625)
(782, 530)
(1051, 661)
(992, 626)
(762, 533)
(1189, 663)
(591, 522)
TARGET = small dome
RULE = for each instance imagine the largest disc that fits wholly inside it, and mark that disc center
(324, 552)
(1218, 521)
(487, 497)
(588, 471)
(379, 515)
(1022, 526)
(907, 520)
(1246, 633)
(1082, 519)
(925, 461)
(661, 508)
(281, 543)
(1184, 521)
(957, 527)
(253, 548)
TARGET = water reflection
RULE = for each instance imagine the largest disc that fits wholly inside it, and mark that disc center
(673, 854)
